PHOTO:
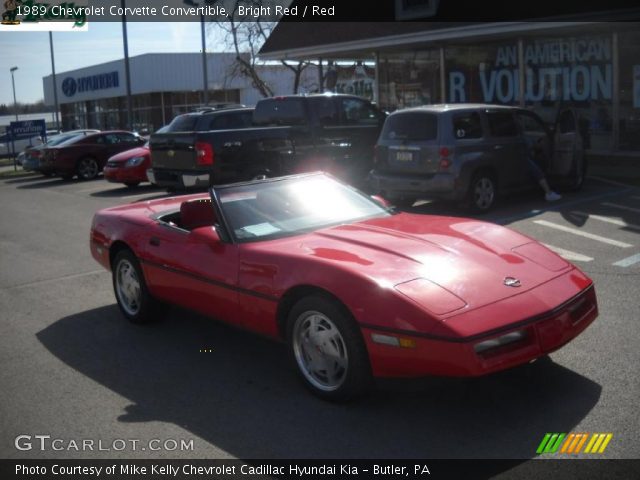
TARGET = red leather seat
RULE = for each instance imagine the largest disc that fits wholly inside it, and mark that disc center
(196, 213)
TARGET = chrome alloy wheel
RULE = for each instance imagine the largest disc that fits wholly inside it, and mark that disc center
(483, 193)
(87, 168)
(320, 351)
(128, 287)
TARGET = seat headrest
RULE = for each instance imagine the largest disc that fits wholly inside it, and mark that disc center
(196, 213)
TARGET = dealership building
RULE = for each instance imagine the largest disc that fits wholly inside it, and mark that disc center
(162, 86)
(591, 66)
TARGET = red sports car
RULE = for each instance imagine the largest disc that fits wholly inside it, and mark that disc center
(129, 167)
(356, 289)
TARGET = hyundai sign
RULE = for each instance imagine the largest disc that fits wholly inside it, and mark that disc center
(101, 81)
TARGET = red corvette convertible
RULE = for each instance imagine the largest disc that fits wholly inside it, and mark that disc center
(356, 289)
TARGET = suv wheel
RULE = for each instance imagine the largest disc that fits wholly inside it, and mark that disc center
(482, 192)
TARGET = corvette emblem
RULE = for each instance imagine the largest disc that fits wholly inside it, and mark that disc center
(511, 282)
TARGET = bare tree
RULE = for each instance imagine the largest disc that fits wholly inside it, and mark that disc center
(246, 34)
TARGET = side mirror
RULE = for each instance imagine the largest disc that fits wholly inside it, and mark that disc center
(378, 199)
(207, 235)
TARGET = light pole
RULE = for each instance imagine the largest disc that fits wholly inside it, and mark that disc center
(13, 84)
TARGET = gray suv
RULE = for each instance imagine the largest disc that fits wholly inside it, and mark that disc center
(469, 153)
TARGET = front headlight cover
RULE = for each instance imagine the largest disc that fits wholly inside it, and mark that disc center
(134, 162)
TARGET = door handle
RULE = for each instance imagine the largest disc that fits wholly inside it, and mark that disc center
(154, 241)
(497, 147)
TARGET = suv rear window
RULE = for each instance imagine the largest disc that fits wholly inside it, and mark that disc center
(411, 126)
(280, 111)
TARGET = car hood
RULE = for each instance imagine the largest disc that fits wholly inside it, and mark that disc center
(470, 259)
(128, 154)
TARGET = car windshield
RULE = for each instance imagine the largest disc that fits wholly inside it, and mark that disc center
(292, 205)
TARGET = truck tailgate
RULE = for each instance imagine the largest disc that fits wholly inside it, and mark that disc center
(173, 150)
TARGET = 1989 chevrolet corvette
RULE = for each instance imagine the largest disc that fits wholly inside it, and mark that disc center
(356, 289)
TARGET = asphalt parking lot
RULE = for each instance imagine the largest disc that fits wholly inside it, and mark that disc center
(73, 368)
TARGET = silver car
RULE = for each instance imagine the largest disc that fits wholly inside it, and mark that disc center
(470, 153)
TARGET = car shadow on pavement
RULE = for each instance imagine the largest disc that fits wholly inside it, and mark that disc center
(27, 179)
(47, 183)
(244, 398)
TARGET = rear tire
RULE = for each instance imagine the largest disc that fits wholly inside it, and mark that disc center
(87, 168)
(130, 289)
(327, 349)
(132, 184)
(482, 193)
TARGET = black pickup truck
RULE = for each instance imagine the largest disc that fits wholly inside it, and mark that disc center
(290, 134)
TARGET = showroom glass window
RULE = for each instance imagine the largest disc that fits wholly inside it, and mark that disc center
(409, 79)
(483, 73)
(629, 55)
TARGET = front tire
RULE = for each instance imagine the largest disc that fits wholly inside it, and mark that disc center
(87, 168)
(327, 349)
(129, 286)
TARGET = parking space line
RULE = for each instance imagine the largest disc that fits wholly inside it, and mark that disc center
(606, 180)
(621, 207)
(627, 262)
(563, 205)
(613, 221)
(568, 254)
(575, 231)
(55, 280)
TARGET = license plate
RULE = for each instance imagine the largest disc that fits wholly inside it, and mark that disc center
(404, 156)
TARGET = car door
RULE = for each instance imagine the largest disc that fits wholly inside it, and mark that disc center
(567, 144)
(507, 148)
(538, 136)
(192, 269)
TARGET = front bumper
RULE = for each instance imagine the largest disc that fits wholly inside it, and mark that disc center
(124, 174)
(439, 185)
(178, 178)
(545, 333)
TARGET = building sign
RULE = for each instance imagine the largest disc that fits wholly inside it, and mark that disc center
(27, 129)
(575, 70)
(101, 81)
(355, 80)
